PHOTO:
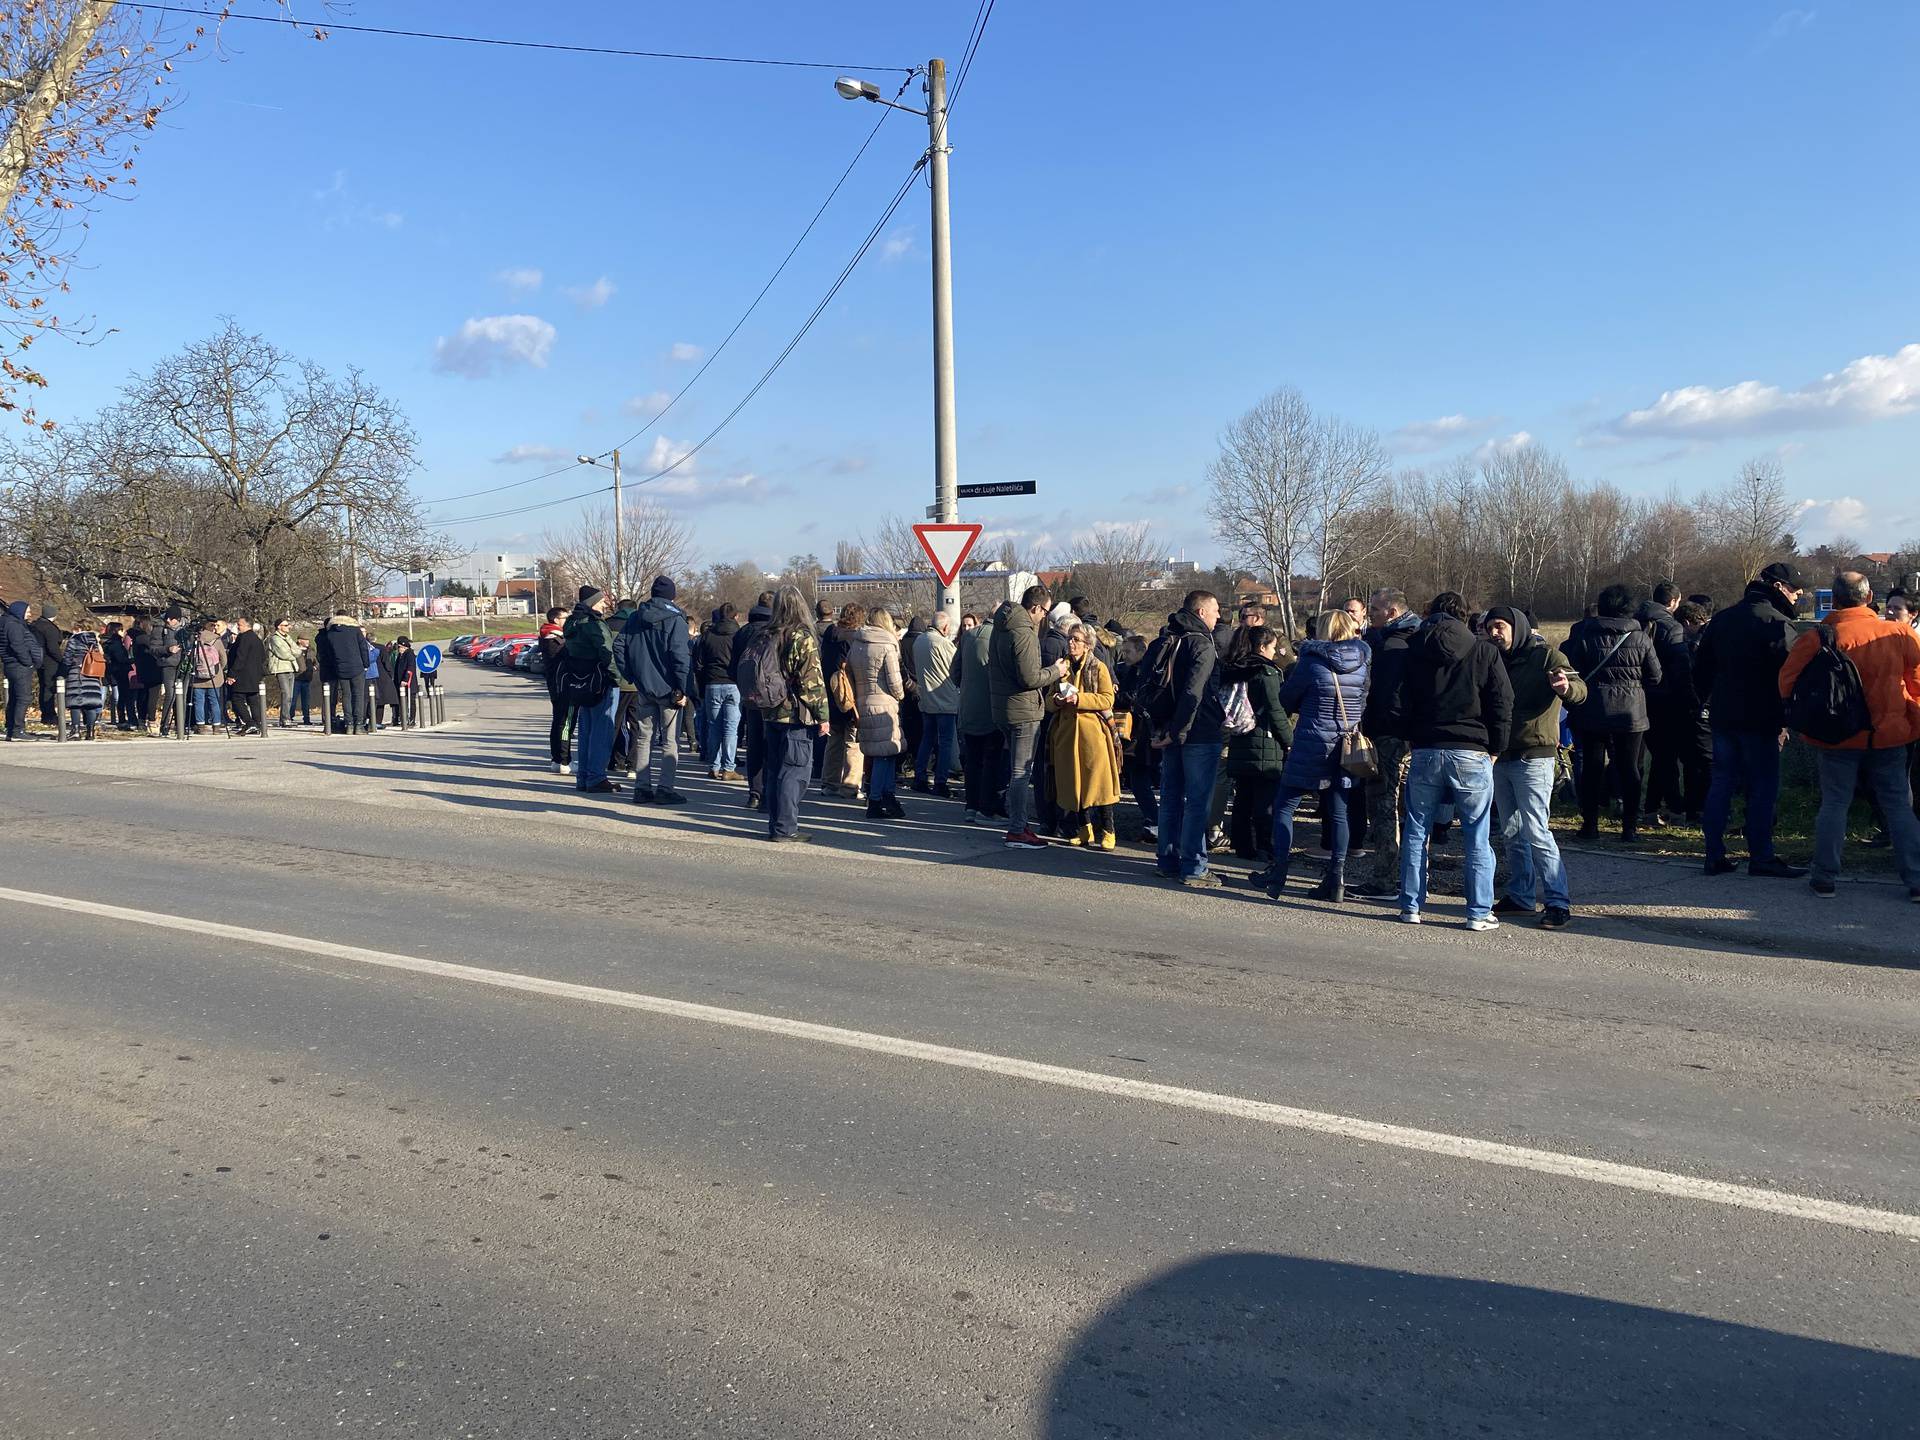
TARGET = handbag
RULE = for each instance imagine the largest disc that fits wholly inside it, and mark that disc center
(93, 664)
(1357, 754)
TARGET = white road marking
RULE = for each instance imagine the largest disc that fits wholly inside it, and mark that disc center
(1404, 1137)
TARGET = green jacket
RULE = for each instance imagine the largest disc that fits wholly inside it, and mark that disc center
(1535, 733)
(283, 654)
(614, 627)
(1014, 673)
(1262, 750)
(806, 686)
(587, 637)
(970, 654)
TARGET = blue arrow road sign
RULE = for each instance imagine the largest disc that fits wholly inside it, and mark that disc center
(427, 659)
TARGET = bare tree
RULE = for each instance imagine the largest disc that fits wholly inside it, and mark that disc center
(654, 542)
(1596, 528)
(849, 558)
(1113, 565)
(1352, 506)
(1263, 491)
(225, 475)
(1751, 515)
(1524, 489)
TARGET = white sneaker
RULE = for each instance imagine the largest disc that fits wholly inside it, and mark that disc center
(1409, 917)
(558, 768)
(1482, 924)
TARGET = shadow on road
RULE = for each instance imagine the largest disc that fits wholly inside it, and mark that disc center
(1269, 1345)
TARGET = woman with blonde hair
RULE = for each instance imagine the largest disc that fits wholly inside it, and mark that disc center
(1082, 753)
(873, 663)
(842, 768)
(1326, 692)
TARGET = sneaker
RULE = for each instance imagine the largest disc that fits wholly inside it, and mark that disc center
(643, 795)
(605, 787)
(1507, 905)
(558, 768)
(1205, 880)
(1483, 923)
(1822, 889)
(1775, 869)
(969, 817)
(1555, 918)
(1409, 917)
(1217, 842)
(731, 775)
(799, 837)
(1722, 866)
(1024, 840)
(669, 797)
(1149, 835)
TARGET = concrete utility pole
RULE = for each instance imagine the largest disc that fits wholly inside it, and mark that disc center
(619, 536)
(946, 460)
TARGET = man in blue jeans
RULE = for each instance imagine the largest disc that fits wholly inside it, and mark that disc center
(719, 695)
(1457, 708)
(589, 643)
(1736, 674)
(1542, 681)
(1189, 746)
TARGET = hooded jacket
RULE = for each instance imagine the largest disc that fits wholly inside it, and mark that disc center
(758, 619)
(1455, 694)
(1736, 665)
(1328, 684)
(1198, 713)
(1887, 655)
(1615, 657)
(1535, 732)
(342, 650)
(873, 664)
(84, 692)
(1669, 639)
(20, 647)
(712, 654)
(655, 652)
(161, 648)
(1263, 749)
(1015, 672)
(553, 644)
(1389, 643)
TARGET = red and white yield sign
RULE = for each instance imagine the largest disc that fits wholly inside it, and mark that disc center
(947, 546)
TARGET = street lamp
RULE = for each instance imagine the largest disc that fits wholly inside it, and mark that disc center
(619, 526)
(946, 481)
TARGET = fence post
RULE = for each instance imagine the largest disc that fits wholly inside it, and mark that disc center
(60, 712)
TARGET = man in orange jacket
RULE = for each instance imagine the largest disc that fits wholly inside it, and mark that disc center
(1887, 655)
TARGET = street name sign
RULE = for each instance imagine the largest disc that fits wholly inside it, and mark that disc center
(999, 487)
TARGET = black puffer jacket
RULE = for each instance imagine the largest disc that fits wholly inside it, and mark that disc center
(1736, 665)
(1455, 694)
(1669, 639)
(713, 652)
(1616, 659)
(1263, 749)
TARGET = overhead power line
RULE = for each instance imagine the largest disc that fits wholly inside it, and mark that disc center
(327, 27)
(714, 355)
(819, 309)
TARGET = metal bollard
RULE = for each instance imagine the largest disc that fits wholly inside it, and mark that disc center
(181, 693)
(60, 713)
(406, 706)
(262, 711)
(326, 710)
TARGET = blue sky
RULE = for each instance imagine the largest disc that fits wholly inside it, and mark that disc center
(1659, 238)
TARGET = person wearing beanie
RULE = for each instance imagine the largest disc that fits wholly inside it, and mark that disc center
(21, 654)
(653, 653)
(1543, 680)
(588, 644)
(719, 695)
(753, 728)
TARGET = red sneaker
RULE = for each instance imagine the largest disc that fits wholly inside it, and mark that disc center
(1024, 840)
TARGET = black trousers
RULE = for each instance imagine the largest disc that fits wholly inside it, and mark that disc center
(20, 693)
(1251, 828)
(1610, 769)
(983, 758)
(560, 732)
(754, 724)
(1667, 732)
(246, 707)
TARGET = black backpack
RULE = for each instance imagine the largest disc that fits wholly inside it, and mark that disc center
(761, 675)
(1153, 694)
(1829, 704)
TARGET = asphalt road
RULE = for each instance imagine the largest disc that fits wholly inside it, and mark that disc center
(255, 1183)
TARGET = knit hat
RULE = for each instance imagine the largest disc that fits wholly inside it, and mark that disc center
(663, 588)
(591, 595)
(48, 612)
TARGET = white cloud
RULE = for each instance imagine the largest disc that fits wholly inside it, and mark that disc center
(684, 352)
(1160, 495)
(494, 342)
(522, 277)
(1790, 22)
(1501, 445)
(344, 209)
(687, 492)
(1818, 521)
(664, 453)
(648, 405)
(525, 454)
(897, 246)
(591, 297)
(1874, 387)
(1421, 436)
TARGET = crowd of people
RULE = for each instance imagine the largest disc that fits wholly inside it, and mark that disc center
(175, 676)
(1397, 728)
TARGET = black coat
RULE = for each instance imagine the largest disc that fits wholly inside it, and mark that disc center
(1736, 665)
(1263, 749)
(20, 647)
(713, 653)
(247, 661)
(1616, 658)
(1197, 714)
(1389, 644)
(343, 653)
(1669, 639)
(53, 640)
(147, 668)
(158, 653)
(1455, 694)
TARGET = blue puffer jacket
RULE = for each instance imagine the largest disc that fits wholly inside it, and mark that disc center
(1329, 673)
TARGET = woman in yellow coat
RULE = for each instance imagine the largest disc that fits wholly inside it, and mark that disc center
(1082, 752)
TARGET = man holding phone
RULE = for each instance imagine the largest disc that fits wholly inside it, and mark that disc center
(1542, 682)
